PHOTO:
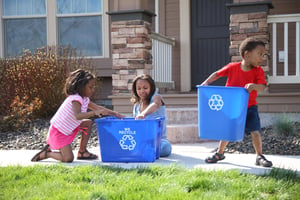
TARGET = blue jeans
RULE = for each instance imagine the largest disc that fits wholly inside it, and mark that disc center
(165, 148)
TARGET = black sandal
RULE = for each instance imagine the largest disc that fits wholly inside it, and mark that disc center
(90, 157)
(215, 158)
(262, 161)
(37, 156)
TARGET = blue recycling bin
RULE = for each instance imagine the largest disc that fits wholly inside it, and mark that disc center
(128, 139)
(222, 112)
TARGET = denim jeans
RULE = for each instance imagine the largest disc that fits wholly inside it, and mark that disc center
(165, 148)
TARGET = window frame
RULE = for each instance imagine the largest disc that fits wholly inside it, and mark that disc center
(12, 17)
(52, 25)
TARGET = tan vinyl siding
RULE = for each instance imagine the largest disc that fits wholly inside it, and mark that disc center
(162, 17)
(103, 67)
(103, 90)
(285, 7)
(172, 29)
(282, 88)
(279, 102)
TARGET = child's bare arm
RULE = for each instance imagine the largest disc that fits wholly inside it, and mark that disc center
(103, 110)
(252, 86)
(214, 76)
(157, 102)
(83, 115)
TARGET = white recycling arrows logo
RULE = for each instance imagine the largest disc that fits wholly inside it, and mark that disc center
(127, 141)
(215, 102)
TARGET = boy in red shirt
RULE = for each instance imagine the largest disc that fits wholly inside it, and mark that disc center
(250, 75)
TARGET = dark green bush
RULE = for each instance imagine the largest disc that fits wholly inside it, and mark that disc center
(34, 82)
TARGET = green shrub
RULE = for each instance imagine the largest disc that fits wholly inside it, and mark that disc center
(34, 82)
(284, 126)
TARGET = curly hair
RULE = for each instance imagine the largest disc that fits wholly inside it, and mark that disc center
(77, 81)
(249, 44)
(135, 98)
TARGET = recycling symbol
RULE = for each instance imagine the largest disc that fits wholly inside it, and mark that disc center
(215, 102)
(127, 142)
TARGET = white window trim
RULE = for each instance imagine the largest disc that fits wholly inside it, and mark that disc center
(51, 23)
(13, 17)
(285, 20)
(1, 32)
(106, 30)
(24, 16)
(105, 27)
(51, 27)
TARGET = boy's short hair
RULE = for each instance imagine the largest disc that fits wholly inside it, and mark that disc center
(249, 44)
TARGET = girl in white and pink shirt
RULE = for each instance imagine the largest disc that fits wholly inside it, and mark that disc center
(71, 117)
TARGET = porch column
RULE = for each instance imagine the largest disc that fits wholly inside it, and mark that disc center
(131, 51)
(248, 20)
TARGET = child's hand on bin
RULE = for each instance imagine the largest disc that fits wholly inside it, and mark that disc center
(120, 116)
(140, 116)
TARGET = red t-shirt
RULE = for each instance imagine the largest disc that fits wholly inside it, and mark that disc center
(239, 78)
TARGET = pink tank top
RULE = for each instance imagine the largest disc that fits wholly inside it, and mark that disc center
(64, 119)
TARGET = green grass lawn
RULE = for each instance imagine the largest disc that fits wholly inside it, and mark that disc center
(156, 182)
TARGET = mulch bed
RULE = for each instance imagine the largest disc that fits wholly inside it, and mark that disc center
(273, 143)
(35, 137)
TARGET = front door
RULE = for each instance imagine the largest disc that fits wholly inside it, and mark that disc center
(210, 39)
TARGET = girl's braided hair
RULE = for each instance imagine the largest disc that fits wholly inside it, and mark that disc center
(77, 81)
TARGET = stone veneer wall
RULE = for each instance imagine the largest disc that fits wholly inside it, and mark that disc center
(131, 53)
(248, 20)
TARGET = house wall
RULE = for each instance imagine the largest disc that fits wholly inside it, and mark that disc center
(285, 7)
(104, 65)
(281, 97)
(170, 24)
(104, 81)
(117, 5)
(103, 89)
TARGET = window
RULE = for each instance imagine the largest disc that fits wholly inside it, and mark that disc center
(24, 23)
(30, 24)
(80, 25)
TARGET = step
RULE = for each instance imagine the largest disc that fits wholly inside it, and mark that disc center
(121, 102)
(182, 115)
(183, 133)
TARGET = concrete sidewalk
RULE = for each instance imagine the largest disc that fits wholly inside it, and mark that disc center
(185, 155)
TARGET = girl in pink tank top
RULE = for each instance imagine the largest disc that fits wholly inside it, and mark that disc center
(72, 116)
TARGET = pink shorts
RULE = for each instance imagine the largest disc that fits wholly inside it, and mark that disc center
(58, 140)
